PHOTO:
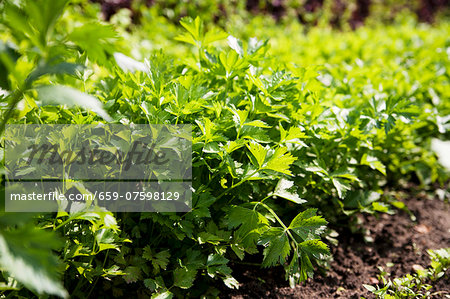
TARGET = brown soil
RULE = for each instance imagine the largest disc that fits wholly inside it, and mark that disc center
(396, 239)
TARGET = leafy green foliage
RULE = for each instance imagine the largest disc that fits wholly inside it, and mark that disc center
(287, 132)
(26, 254)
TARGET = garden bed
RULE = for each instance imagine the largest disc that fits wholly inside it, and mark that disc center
(397, 239)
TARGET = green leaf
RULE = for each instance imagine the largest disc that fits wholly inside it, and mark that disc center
(26, 254)
(283, 189)
(369, 288)
(194, 27)
(216, 259)
(239, 117)
(314, 247)
(56, 69)
(45, 14)
(360, 199)
(196, 35)
(104, 236)
(233, 145)
(133, 274)
(34, 19)
(380, 207)
(278, 247)
(373, 163)
(25, 171)
(184, 277)
(186, 38)
(307, 225)
(306, 267)
(250, 223)
(255, 134)
(96, 39)
(280, 161)
(64, 95)
(164, 295)
(345, 175)
(258, 152)
(238, 250)
(341, 186)
(217, 265)
(150, 284)
(8, 58)
(257, 123)
(159, 260)
(213, 35)
(231, 282)
(293, 135)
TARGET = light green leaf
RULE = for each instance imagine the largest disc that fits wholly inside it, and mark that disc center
(26, 170)
(186, 38)
(283, 190)
(292, 135)
(280, 161)
(213, 35)
(96, 39)
(64, 95)
(258, 152)
(373, 163)
(194, 27)
(257, 123)
(345, 175)
(369, 288)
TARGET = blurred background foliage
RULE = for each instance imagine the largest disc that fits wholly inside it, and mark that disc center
(337, 13)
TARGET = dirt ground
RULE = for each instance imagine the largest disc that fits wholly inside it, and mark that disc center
(396, 239)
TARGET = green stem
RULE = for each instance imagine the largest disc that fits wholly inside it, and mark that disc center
(97, 278)
(271, 211)
(16, 97)
(64, 223)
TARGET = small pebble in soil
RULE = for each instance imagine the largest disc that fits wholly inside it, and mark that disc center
(422, 229)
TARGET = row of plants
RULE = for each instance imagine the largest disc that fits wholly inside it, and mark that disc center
(289, 134)
(416, 285)
(339, 14)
